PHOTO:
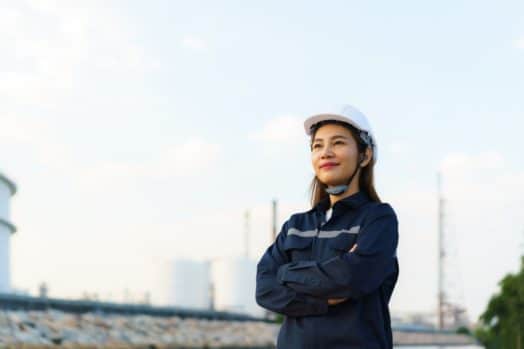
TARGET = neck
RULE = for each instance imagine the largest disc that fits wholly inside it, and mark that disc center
(352, 189)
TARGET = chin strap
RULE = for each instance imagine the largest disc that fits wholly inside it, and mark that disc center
(340, 189)
(337, 190)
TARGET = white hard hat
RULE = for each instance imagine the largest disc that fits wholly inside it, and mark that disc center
(348, 114)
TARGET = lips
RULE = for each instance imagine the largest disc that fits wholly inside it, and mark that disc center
(328, 165)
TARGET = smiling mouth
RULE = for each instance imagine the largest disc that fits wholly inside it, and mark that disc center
(327, 167)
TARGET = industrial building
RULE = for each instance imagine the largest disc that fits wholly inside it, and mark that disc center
(223, 284)
(7, 228)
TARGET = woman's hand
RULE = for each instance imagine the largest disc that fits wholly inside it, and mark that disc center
(334, 301)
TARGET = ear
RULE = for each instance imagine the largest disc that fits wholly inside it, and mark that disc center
(368, 154)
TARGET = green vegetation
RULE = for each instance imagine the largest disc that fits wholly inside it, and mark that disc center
(502, 323)
(279, 318)
(463, 330)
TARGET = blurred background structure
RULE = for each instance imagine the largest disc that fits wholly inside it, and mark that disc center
(7, 228)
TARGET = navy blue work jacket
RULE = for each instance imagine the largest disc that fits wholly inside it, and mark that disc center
(310, 262)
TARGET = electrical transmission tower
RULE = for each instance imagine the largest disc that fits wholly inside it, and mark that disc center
(454, 312)
(441, 253)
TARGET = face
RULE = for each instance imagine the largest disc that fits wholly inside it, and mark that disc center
(334, 154)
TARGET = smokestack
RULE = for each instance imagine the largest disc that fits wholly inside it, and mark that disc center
(246, 234)
(274, 220)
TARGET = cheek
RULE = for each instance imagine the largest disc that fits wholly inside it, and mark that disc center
(314, 162)
(348, 156)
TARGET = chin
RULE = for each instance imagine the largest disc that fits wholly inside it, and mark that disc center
(330, 181)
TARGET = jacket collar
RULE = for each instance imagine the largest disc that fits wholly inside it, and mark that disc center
(353, 201)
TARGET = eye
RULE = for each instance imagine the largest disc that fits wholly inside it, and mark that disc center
(338, 142)
(315, 146)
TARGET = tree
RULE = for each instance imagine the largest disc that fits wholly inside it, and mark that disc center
(502, 323)
(463, 330)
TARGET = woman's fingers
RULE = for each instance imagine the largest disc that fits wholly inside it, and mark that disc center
(333, 301)
(353, 248)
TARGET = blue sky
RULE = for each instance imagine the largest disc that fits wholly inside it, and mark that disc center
(139, 133)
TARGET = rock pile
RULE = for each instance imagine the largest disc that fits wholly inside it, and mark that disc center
(54, 327)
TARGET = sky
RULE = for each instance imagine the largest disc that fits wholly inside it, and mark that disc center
(138, 132)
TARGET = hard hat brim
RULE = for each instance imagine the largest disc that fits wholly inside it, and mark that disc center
(312, 120)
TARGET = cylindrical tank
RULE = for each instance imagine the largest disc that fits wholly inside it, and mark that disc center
(7, 189)
(234, 285)
(189, 284)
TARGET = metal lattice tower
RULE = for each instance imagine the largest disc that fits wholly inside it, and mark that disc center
(441, 254)
(450, 311)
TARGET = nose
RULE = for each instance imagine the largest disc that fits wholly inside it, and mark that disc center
(326, 152)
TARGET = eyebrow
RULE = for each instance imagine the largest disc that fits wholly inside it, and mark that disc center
(334, 137)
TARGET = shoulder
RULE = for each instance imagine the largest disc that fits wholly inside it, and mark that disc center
(300, 221)
(301, 216)
(383, 210)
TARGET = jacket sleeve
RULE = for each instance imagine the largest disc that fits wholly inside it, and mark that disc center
(272, 295)
(351, 274)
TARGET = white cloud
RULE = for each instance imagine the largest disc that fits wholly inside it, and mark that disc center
(34, 139)
(47, 44)
(194, 43)
(519, 43)
(398, 148)
(17, 130)
(189, 159)
(281, 130)
(460, 163)
(480, 177)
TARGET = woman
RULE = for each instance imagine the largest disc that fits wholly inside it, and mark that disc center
(331, 270)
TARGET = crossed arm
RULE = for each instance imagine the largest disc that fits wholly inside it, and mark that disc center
(273, 295)
(308, 287)
(354, 274)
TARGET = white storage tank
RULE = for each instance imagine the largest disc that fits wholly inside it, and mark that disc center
(189, 284)
(7, 189)
(234, 285)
